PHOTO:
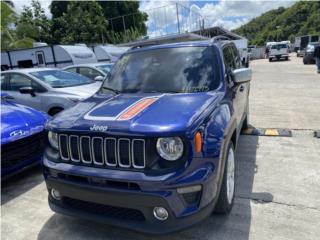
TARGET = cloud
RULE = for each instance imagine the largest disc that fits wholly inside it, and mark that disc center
(228, 14)
(18, 6)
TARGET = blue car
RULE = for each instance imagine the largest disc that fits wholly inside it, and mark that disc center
(22, 137)
(154, 149)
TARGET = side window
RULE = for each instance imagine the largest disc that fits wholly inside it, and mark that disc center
(18, 81)
(236, 57)
(89, 72)
(4, 85)
(74, 70)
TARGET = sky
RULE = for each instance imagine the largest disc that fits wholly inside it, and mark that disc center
(163, 14)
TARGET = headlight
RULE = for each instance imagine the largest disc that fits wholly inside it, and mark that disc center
(171, 148)
(53, 139)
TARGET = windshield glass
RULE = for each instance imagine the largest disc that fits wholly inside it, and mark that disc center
(60, 79)
(278, 46)
(105, 68)
(181, 69)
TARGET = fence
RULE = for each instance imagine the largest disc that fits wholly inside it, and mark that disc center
(164, 20)
(257, 53)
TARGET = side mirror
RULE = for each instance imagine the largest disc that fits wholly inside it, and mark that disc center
(27, 90)
(241, 75)
(99, 78)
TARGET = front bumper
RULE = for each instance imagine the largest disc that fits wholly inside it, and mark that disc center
(130, 207)
(279, 56)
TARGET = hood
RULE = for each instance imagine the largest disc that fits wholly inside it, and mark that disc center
(19, 121)
(137, 113)
(86, 90)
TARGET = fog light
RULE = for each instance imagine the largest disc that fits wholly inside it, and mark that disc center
(55, 194)
(160, 213)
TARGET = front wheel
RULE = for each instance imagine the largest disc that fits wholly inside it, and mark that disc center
(226, 196)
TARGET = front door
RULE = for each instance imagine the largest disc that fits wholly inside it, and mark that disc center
(17, 81)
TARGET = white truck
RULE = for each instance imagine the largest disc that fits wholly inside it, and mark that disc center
(279, 50)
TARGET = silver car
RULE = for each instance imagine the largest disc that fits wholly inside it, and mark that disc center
(47, 89)
(94, 71)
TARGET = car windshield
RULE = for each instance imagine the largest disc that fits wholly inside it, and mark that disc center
(175, 70)
(105, 68)
(60, 79)
(278, 46)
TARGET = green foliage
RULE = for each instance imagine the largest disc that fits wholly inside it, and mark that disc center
(33, 23)
(83, 22)
(300, 19)
(129, 27)
(9, 38)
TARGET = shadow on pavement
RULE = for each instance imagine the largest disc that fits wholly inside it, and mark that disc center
(20, 183)
(236, 225)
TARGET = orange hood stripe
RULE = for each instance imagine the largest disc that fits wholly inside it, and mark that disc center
(137, 108)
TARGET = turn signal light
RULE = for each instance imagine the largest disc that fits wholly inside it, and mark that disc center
(198, 142)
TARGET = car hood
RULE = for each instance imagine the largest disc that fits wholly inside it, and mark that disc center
(86, 90)
(18, 121)
(137, 113)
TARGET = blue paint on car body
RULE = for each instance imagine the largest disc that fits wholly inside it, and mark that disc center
(19, 124)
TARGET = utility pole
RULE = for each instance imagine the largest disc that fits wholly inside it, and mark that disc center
(178, 18)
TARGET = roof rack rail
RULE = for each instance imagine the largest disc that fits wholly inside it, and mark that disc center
(145, 45)
(219, 38)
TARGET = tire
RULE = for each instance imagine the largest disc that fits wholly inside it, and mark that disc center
(270, 59)
(54, 111)
(286, 58)
(247, 64)
(226, 196)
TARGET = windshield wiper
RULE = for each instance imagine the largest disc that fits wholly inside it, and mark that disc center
(164, 91)
(111, 89)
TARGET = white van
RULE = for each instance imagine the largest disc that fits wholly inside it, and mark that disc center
(278, 51)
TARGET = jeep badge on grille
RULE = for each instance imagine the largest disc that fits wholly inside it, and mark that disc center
(98, 128)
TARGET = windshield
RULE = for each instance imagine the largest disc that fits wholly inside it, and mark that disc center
(278, 46)
(60, 79)
(105, 68)
(187, 69)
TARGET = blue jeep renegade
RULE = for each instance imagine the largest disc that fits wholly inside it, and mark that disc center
(154, 149)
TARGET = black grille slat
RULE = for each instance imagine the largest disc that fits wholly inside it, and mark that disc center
(97, 150)
(112, 152)
(63, 144)
(14, 153)
(138, 153)
(124, 152)
(74, 148)
(85, 147)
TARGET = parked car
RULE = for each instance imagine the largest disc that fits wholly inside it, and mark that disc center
(47, 89)
(94, 71)
(154, 149)
(308, 57)
(278, 51)
(22, 137)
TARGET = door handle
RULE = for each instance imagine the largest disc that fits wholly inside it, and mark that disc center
(241, 88)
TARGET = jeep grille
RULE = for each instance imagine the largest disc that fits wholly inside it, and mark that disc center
(99, 151)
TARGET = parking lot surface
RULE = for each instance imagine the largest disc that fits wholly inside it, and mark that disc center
(278, 178)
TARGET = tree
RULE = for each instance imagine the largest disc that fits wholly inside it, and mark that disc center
(33, 23)
(8, 36)
(128, 27)
(83, 22)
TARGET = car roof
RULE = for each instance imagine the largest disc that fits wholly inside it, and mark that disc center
(89, 64)
(30, 70)
(201, 43)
